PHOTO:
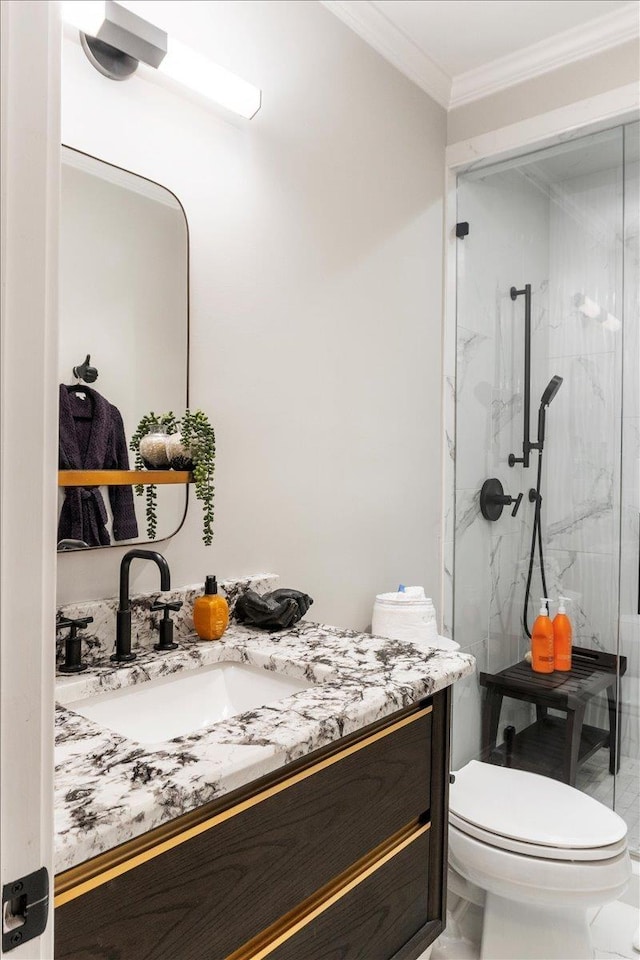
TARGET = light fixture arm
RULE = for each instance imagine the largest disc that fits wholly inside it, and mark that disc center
(111, 63)
(122, 41)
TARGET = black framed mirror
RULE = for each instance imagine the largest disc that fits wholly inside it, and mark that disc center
(124, 303)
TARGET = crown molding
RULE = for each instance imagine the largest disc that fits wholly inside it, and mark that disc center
(590, 38)
(374, 28)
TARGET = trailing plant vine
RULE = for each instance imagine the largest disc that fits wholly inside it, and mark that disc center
(198, 453)
(199, 441)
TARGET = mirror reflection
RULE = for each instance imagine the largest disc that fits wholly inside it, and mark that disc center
(123, 348)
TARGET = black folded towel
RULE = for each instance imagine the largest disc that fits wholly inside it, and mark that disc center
(272, 611)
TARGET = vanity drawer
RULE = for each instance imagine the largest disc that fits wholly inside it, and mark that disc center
(372, 921)
(208, 895)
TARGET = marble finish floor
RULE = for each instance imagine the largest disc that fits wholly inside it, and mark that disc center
(613, 929)
(615, 925)
(594, 778)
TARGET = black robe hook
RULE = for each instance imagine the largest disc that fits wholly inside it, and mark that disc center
(85, 371)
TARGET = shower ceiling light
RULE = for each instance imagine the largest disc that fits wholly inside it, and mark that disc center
(116, 40)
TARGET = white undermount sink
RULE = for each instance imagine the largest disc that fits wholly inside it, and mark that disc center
(185, 702)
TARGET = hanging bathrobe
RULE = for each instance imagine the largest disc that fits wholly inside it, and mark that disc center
(92, 437)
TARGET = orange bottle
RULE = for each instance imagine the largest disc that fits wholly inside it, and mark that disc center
(562, 635)
(210, 612)
(542, 656)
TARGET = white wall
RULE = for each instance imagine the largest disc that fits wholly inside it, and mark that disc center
(123, 293)
(316, 257)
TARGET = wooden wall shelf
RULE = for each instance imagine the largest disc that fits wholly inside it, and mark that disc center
(120, 478)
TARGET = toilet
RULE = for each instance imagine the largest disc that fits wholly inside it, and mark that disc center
(538, 855)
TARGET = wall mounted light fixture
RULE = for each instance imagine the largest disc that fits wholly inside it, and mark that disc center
(116, 41)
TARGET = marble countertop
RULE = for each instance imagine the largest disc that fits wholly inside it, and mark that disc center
(109, 789)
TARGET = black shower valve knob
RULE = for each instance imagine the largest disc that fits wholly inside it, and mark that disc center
(493, 500)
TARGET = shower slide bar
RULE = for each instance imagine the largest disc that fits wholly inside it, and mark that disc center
(527, 445)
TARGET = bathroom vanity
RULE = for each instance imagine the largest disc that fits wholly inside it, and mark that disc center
(312, 827)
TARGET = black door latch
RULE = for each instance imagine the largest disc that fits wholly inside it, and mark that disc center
(25, 907)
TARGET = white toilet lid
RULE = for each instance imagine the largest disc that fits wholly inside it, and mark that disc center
(533, 809)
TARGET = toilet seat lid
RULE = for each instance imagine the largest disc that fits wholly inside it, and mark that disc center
(529, 849)
(533, 809)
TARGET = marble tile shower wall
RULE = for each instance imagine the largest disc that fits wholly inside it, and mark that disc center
(507, 245)
(582, 456)
(592, 482)
(630, 536)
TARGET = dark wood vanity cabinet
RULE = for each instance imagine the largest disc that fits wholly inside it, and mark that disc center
(339, 855)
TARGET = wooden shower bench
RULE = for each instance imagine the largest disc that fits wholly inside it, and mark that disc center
(554, 746)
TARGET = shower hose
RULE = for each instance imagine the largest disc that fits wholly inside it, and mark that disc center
(535, 538)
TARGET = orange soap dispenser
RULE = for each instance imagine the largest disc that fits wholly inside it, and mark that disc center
(542, 655)
(562, 635)
(210, 612)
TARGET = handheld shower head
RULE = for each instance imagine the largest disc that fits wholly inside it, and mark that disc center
(550, 390)
(549, 393)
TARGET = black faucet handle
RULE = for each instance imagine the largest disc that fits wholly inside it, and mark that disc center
(172, 605)
(78, 624)
(517, 501)
(165, 625)
(73, 644)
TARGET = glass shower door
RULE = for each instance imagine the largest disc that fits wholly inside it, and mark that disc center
(627, 802)
(553, 220)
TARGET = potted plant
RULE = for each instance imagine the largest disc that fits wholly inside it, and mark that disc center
(149, 440)
(190, 444)
(148, 443)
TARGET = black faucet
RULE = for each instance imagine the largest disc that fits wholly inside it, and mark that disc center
(123, 652)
